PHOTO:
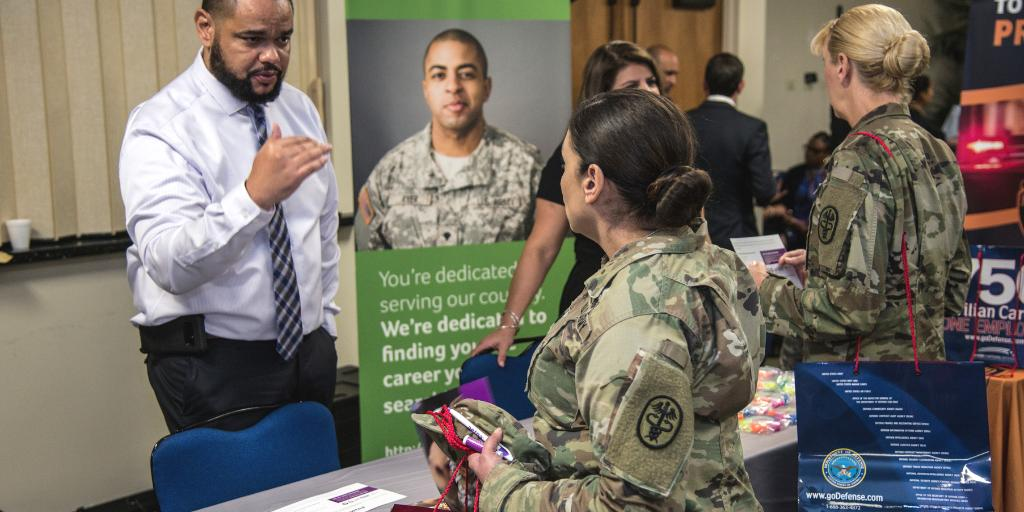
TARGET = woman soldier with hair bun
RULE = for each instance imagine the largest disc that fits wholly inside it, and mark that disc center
(893, 193)
(637, 386)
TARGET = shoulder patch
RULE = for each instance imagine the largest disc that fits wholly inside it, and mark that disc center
(652, 427)
(827, 222)
(659, 422)
(837, 205)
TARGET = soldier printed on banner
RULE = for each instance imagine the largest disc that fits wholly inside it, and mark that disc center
(459, 181)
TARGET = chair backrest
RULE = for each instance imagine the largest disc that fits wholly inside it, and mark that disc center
(204, 466)
(507, 384)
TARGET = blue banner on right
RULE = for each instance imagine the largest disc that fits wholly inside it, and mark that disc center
(990, 326)
(888, 439)
(990, 146)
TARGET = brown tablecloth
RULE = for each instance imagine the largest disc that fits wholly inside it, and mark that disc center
(1006, 436)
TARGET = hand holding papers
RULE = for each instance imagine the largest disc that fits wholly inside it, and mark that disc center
(769, 250)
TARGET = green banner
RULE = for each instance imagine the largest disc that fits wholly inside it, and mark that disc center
(420, 312)
(553, 10)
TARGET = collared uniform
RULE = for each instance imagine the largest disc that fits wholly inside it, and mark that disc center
(490, 200)
(637, 386)
(855, 284)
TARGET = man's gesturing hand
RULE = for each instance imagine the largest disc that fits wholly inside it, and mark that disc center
(281, 165)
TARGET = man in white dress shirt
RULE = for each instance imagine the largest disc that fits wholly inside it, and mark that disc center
(231, 206)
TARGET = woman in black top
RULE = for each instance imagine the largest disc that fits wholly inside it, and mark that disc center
(614, 65)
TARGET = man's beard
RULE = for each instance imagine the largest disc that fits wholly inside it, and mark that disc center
(241, 88)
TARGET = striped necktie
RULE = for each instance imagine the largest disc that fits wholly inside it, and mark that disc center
(287, 306)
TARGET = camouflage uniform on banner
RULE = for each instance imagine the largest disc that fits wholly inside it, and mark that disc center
(855, 285)
(491, 200)
(637, 386)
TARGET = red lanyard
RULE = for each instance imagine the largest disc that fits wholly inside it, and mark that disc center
(910, 313)
(444, 420)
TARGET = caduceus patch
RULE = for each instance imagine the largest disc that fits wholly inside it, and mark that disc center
(828, 221)
(659, 422)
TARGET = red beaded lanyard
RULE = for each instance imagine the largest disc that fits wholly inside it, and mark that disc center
(444, 421)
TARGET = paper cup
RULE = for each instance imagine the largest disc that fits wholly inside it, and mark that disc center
(20, 232)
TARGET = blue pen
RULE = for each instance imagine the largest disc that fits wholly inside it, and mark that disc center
(505, 454)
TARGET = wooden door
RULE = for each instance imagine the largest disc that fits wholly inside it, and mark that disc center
(591, 26)
(695, 35)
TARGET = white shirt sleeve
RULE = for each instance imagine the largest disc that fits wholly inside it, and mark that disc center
(184, 238)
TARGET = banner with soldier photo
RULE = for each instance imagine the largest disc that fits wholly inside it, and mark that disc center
(456, 106)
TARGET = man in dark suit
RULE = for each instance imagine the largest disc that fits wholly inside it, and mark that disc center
(734, 150)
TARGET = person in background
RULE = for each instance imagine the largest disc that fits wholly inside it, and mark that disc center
(637, 386)
(892, 192)
(231, 201)
(459, 181)
(922, 96)
(612, 66)
(734, 151)
(668, 64)
(791, 206)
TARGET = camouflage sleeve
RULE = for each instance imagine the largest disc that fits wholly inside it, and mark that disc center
(634, 391)
(847, 257)
(374, 188)
(959, 276)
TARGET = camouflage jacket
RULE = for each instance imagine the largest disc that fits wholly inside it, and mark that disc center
(638, 384)
(490, 201)
(888, 178)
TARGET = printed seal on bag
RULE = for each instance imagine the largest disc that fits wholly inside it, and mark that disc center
(844, 468)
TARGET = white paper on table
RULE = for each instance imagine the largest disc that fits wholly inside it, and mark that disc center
(767, 249)
(351, 498)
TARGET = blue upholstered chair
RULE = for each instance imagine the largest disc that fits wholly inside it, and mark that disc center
(203, 466)
(507, 384)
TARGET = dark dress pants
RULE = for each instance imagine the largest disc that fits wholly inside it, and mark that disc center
(233, 374)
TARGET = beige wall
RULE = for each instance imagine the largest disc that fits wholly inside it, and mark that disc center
(79, 418)
(793, 110)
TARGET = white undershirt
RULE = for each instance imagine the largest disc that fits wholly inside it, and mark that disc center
(450, 166)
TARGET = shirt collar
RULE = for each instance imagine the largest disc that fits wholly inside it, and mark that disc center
(663, 241)
(722, 99)
(887, 110)
(227, 101)
(478, 172)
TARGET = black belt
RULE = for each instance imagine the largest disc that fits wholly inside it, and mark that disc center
(183, 335)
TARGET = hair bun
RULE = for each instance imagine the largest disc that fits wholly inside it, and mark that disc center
(906, 56)
(678, 195)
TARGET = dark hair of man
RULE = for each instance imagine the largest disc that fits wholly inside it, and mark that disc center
(220, 8)
(657, 49)
(644, 146)
(723, 74)
(606, 61)
(920, 84)
(824, 138)
(457, 34)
